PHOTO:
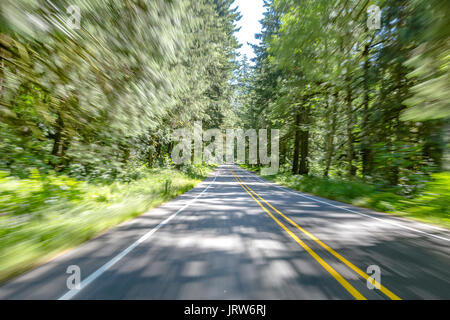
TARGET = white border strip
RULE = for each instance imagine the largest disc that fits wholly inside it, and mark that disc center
(343, 208)
(71, 293)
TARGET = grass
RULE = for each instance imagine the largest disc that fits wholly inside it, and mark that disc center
(42, 216)
(431, 206)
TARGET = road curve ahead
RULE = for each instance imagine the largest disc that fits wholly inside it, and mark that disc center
(237, 236)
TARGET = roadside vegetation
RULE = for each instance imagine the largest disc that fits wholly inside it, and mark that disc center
(429, 204)
(87, 114)
(363, 113)
(44, 214)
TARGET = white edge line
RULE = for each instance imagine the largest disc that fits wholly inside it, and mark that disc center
(353, 211)
(71, 293)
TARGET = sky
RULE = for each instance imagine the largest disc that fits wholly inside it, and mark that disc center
(252, 13)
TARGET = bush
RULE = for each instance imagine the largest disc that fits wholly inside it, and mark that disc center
(31, 195)
(435, 200)
(431, 203)
(46, 213)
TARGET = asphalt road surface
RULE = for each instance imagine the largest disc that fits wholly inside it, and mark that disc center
(237, 236)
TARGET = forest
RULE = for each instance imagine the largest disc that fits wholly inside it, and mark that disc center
(363, 113)
(87, 111)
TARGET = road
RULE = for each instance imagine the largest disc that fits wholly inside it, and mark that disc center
(237, 236)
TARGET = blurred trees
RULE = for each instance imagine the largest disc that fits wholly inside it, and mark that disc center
(350, 101)
(88, 100)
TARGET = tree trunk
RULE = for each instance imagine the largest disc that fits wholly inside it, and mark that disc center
(366, 152)
(350, 139)
(58, 137)
(60, 143)
(433, 135)
(283, 151)
(331, 134)
(295, 160)
(304, 142)
(1, 77)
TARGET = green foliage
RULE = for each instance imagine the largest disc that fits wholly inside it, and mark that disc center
(431, 63)
(87, 101)
(29, 196)
(347, 99)
(428, 205)
(435, 199)
(45, 214)
(196, 170)
(86, 115)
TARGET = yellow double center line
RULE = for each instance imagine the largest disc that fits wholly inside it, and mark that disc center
(355, 293)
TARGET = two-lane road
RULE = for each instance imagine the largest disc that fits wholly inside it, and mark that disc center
(237, 236)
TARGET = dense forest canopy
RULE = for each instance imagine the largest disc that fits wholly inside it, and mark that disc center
(350, 101)
(88, 100)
